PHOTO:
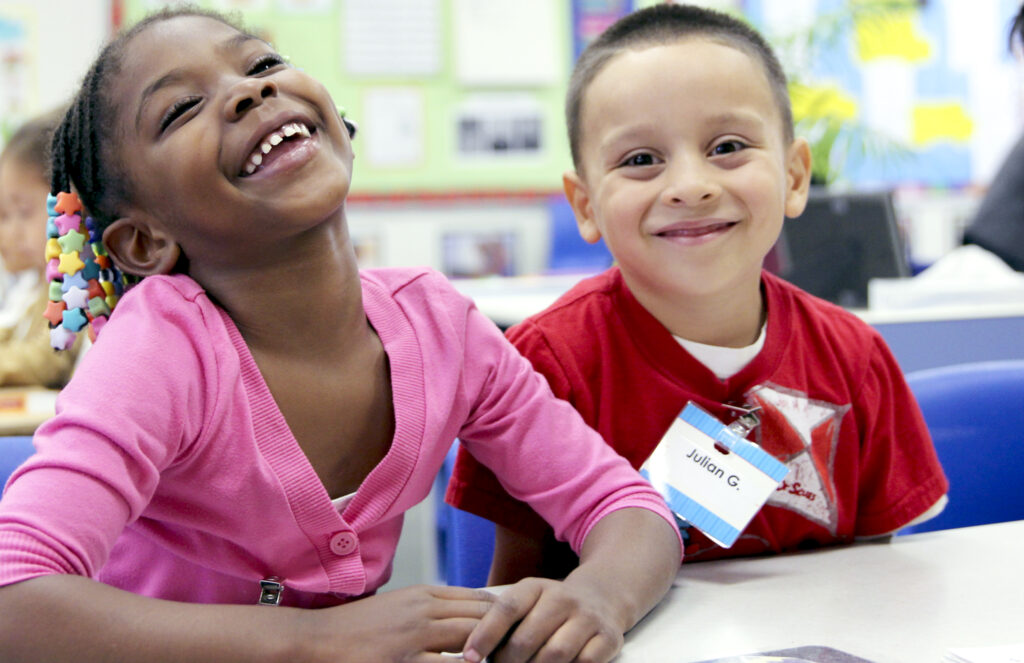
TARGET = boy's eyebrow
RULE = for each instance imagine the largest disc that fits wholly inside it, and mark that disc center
(175, 75)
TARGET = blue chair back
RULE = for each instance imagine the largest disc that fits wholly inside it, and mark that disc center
(975, 413)
(13, 452)
(465, 542)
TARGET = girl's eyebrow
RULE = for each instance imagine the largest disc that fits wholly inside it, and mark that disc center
(167, 79)
(178, 74)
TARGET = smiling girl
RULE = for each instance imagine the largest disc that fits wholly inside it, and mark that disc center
(257, 414)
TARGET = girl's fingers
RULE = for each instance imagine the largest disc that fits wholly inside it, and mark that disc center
(576, 641)
(505, 613)
(461, 602)
(448, 635)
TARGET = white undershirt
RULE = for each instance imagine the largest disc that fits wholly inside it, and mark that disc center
(724, 362)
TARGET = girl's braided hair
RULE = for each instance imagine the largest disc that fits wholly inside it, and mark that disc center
(88, 188)
(83, 151)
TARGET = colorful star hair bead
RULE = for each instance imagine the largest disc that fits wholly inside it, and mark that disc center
(84, 284)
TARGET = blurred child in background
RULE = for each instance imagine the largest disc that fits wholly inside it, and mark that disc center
(26, 357)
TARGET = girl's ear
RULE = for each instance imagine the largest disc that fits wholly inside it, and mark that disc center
(798, 177)
(140, 246)
(577, 195)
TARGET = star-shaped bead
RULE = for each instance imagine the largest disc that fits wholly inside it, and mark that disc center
(70, 263)
(61, 338)
(67, 222)
(53, 249)
(75, 281)
(52, 270)
(56, 293)
(74, 319)
(97, 306)
(67, 203)
(76, 298)
(54, 312)
(95, 326)
(72, 240)
(91, 269)
(95, 289)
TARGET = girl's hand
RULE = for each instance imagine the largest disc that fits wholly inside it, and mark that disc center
(410, 624)
(547, 621)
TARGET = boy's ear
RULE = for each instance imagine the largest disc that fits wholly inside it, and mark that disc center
(139, 245)
(578, 196)
(798, 176)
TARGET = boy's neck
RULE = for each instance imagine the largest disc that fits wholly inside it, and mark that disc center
(732, 320)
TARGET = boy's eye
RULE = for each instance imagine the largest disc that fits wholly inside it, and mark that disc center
(641, 159)
(176, 110)
(728, 147)
(265, 62)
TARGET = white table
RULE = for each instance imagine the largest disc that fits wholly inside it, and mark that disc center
(906, 601)
(22, 409)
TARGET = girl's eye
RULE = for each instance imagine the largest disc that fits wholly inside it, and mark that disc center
(177, 109)
(728, 147)
(641, 159)
(265, 62)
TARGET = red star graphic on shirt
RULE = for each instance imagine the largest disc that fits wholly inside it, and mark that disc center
(803, 433)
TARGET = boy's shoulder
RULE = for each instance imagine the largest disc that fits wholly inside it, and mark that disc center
(600, 293)
(597, 312)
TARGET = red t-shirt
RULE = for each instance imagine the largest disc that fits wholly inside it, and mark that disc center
(835, 409)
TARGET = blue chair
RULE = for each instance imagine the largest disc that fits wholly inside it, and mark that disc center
(465, 542)
(975, 413)
(13, 452)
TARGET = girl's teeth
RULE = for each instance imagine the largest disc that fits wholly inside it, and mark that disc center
(276, 138)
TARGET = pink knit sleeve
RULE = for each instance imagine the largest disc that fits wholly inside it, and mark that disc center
(129, 410)
(538, 446)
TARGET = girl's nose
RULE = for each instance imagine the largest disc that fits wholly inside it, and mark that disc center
(247, 94)
(690, 185)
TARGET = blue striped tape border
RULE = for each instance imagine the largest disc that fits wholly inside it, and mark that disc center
(748, 451)
(720, 531)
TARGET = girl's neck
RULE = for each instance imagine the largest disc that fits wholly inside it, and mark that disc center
(307, 303)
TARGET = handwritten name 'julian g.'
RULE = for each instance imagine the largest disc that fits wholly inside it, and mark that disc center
(704, 460)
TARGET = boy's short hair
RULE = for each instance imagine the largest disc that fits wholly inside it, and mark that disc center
(662, 25)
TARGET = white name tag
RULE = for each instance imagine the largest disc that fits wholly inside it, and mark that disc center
(716, 492)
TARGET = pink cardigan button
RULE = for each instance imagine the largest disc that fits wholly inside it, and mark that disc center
(343, 543)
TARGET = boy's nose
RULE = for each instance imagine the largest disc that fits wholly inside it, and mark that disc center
(690, 185)
(247, 94)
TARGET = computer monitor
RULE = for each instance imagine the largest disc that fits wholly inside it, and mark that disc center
(839, 243)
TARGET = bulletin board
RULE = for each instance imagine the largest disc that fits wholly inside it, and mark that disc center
(458, 97)
(451, 96)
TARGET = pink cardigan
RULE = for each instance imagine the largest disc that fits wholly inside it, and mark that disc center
(169, 470)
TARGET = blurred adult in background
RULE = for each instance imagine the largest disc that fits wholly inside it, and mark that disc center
(998, 225)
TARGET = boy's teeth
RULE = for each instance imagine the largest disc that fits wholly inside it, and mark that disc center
(289, 130)
(275, 139)
(266, 147)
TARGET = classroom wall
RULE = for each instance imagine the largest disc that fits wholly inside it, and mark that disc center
(46, 47)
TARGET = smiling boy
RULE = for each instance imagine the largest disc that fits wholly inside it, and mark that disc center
(686, 164)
